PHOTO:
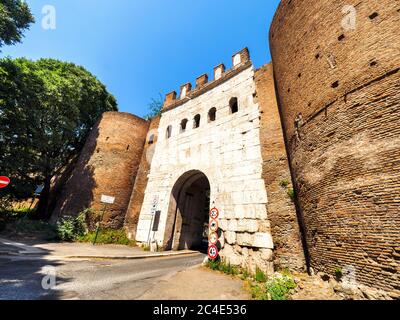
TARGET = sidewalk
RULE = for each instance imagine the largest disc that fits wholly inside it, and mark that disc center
(198, 283)
(81, 251)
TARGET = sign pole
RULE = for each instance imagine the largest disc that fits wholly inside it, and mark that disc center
(38, 191)
(153, 213)
(33, 201)
(106, 200)
(98, 227)
(151, 227)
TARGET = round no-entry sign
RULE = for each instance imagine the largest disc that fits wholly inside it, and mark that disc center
(4, 182)
(213, 252)
(214, 213)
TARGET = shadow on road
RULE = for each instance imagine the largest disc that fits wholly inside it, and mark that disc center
(29, 276)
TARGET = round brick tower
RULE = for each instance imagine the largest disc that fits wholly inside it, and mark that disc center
(336, 66)
(107, 165)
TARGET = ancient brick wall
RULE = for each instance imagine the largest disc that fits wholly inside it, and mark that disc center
(107, 165)
(136, 201)
(288, 251)
(337, 73)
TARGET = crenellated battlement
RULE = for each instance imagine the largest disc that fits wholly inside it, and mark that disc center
(240, 61)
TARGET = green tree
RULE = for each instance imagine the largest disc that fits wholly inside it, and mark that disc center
(47, 109)
(15, 18)
(155, 107)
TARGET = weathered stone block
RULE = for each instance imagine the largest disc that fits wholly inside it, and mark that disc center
(230, 237)
(245, 239)
(266, 254)
(232, 225)
(263, 240)
(246, 225)
(231, 256)
(223, 224)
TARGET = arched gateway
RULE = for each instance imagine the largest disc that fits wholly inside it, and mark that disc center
(236, 149)
(187, 221)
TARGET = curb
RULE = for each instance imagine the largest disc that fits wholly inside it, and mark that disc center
(138, 257)
(172, 254)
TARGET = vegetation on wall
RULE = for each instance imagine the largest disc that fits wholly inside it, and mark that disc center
(155, 107)
(285, 184)
(292, 194)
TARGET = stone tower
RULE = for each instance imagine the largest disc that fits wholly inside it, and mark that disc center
(337, 73)
(107, 165)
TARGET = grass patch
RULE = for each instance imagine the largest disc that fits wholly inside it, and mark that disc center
(245, 274)
(221, 265)
(108, 236)
(258, 292)
(17, 222)
(146, 248)
(279, 287)
(15, 214)
(261, 287)
(213, 264)
(275, 288)
(229, 269)
(32, 228)
(260, 276)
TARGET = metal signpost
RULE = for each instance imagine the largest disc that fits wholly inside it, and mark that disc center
(106, 200)
(153, 216)
(37, 193)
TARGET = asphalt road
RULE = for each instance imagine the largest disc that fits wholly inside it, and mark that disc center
(24, 278)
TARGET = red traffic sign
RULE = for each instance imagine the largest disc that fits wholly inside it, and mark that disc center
(4, 182)
(213, 252)
(214, 226)
(213, 238)
(214, 213)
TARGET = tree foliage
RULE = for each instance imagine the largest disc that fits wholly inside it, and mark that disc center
(47, 109)
(15, 18)
(155, 107)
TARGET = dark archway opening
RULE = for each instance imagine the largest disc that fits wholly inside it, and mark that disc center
(187, 223)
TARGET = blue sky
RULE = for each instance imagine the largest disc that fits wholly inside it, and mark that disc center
(140, 48)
